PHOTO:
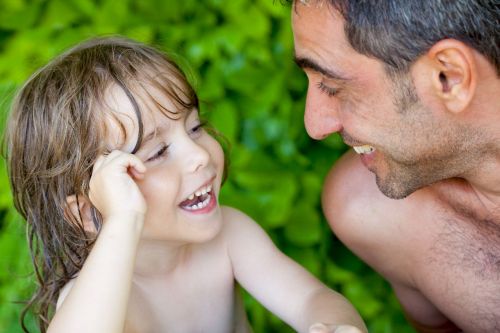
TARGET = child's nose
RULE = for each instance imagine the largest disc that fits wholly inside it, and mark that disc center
(197, 156)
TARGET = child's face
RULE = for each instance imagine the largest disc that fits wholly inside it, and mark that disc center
(182, 161)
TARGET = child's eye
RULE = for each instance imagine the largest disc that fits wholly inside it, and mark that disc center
(160, 153)
(196, 130)
(328, 90)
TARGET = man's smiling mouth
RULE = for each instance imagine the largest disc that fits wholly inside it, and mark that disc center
(364, 149)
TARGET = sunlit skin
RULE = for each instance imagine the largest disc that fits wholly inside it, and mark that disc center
(180, 157)
(351, 94)
(436, 140)
(163, 267)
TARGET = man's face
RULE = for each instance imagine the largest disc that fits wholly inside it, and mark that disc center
(406, 145)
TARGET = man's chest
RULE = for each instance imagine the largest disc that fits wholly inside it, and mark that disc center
(458, 268)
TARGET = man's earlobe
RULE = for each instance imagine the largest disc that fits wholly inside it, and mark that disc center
(454, 73)
(79, 210)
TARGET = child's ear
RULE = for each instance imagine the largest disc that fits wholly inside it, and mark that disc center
(454, 73)
(79, 210)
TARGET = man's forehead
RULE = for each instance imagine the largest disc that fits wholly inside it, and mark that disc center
(321, 28)
(320, 43)
(322, 5)
(319, 3)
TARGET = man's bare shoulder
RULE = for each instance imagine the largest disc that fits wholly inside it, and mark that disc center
(350, 184)
(372, 225)
(350, 194)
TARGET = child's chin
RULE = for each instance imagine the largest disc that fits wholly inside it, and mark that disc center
(208, 231)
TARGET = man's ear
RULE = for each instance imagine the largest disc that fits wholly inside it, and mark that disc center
(78, 210)
(454, 73)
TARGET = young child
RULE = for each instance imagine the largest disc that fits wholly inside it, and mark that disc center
(118, 180)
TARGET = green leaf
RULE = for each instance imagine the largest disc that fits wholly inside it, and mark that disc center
(224, 117)
(304, 225)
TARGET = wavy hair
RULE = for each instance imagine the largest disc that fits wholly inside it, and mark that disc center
(54, 135)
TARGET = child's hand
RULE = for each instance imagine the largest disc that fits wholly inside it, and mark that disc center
(113, 190)
(323, 328)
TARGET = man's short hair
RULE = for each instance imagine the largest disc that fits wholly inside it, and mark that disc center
(397, 32)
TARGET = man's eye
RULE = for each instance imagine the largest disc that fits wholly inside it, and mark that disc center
(160, 153)
(327, 90)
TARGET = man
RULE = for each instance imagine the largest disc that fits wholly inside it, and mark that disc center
(414, 88)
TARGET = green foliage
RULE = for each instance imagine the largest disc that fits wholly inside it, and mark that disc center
(240, 52)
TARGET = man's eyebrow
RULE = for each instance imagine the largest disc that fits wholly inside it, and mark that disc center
(306, 63)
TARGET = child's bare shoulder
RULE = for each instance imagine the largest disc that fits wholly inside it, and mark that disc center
(234, 219)
(239, 228)
(64, 292)
(231, 213)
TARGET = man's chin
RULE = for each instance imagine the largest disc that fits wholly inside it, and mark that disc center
(395, 189)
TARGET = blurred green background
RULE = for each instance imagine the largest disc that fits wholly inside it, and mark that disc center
(240, 54)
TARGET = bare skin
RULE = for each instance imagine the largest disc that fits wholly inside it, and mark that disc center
(165, 261)
(430, 139)
(165, 299)
(443, 264)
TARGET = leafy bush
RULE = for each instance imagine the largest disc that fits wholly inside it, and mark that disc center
(240, 52)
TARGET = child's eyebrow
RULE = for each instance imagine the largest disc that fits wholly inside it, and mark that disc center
(160, 130)
(151, 135)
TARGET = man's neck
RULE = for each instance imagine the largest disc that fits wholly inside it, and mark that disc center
(484, 182)
(471, 200)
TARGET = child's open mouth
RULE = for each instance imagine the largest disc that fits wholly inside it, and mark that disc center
(200, 201)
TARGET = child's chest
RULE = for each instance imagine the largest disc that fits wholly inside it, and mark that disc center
(199, 298)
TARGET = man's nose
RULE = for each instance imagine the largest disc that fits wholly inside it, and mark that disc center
(320, 117)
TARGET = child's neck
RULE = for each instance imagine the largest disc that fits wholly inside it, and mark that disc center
(159, 258)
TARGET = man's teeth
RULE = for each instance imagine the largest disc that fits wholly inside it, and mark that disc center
(200, 192)
(365, 149)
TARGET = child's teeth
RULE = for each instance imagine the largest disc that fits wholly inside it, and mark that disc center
(207, 189)
(200, 205)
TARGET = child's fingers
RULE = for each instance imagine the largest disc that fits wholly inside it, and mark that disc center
(112, 187)
(325, 328)
(136, 174)
(124, 160)
(137, 164)
(99, 162)
(319, 328)
(346, 329)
